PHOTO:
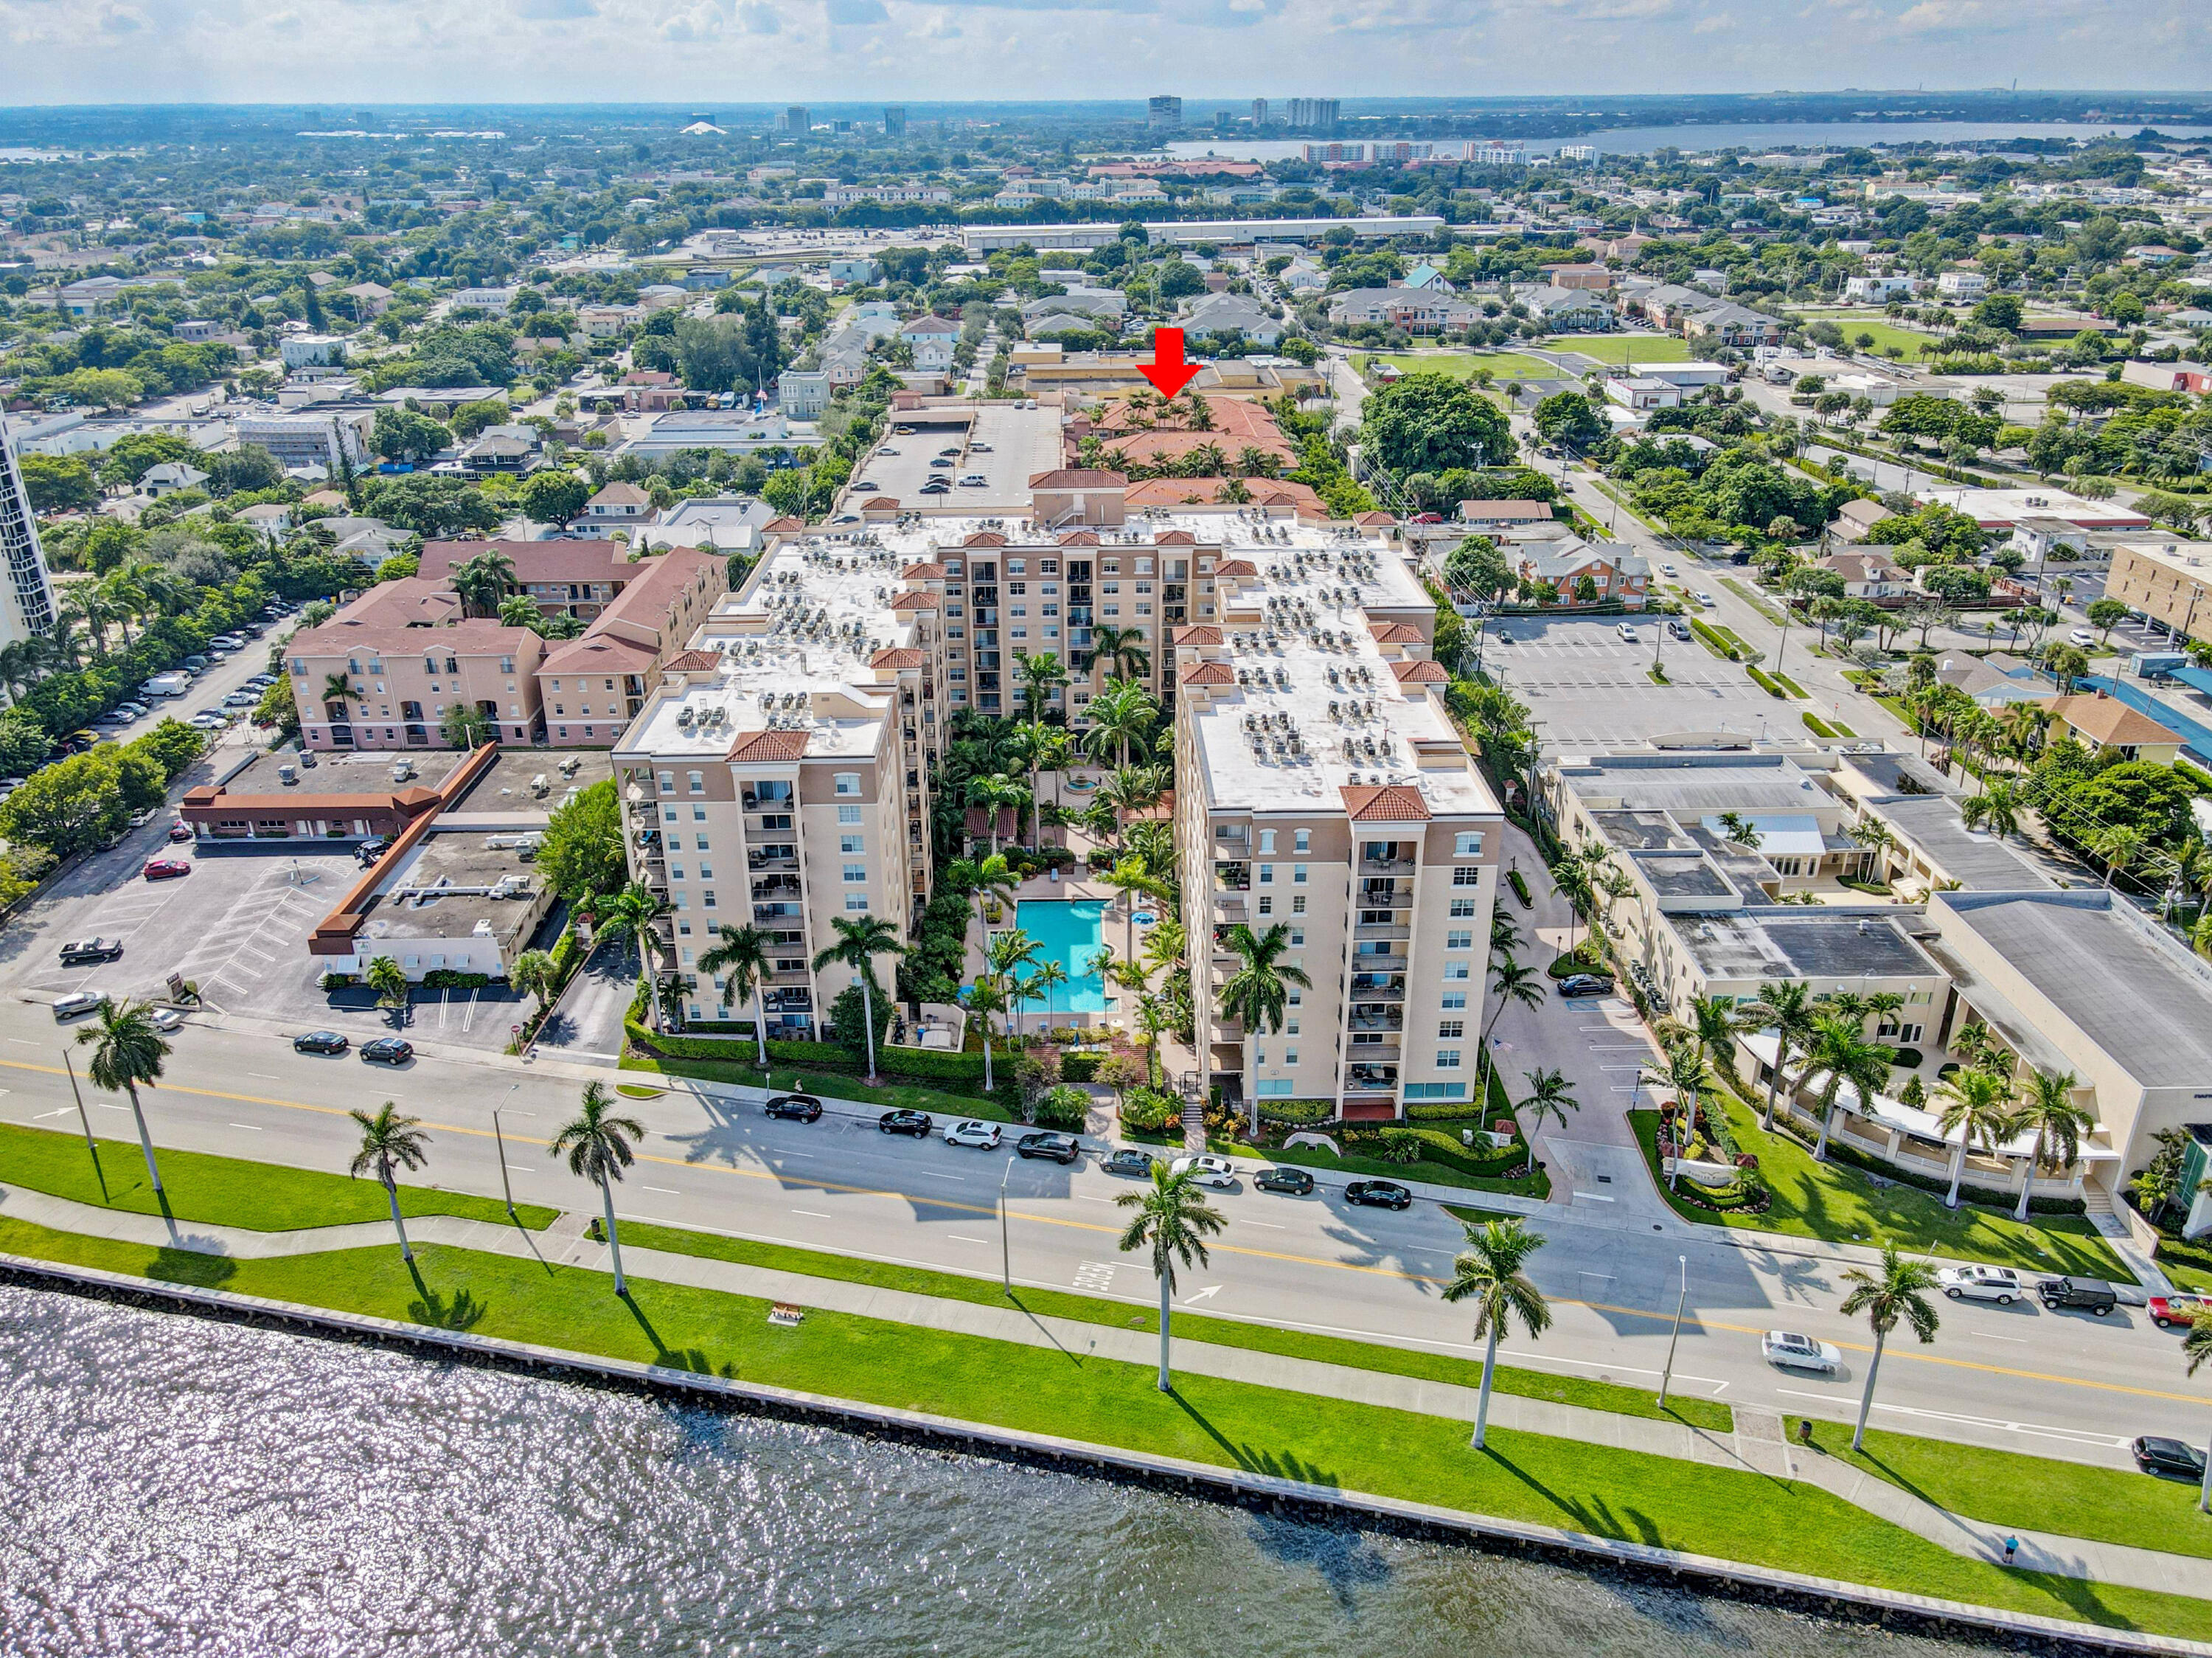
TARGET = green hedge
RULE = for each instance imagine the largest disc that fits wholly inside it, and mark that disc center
(1519, 883)
(1438, 1147)
(1449, 1111)
(1073, 1067)
(1720, 647)
(1764, 683)
(918, 1064)
(1297, 1112)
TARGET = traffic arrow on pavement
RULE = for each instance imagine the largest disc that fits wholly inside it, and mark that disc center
(1209, 1289)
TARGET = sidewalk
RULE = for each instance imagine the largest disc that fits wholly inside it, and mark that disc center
(1757, 1446)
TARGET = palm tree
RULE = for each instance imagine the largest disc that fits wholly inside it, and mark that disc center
(1049, 976)
(1977, 1108)
(742, 952)
(1488, 1272)
(1996, 809)
(1129, 877)
(986, 997)
(861, 939)
(1256, 994)
(1505, 935)
(1786, 1006)
(2119, 844)
(1043, 673)
(1121, 714)
(387, 1138)
(598, 1144)
(1714, 1024)
(519, 610)
(1841, 1048)
(127, 1050)
(389, 980)
(629, 915)
(1120, 651)
(482, 581)
(2046, 1106)
(994, 792)
(1898, 1290)
(990, 879)
(1164, 945)
(1548, 1096)
(1007, 954)
(336, 688)
(534, 974)
(1175, 1219)
(1130, 788)
(1510, 982)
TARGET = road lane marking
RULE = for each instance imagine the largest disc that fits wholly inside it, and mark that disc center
(248, 1127)
(815, 1214)
(666, 1192)
(961, 1237)
(42, 1115)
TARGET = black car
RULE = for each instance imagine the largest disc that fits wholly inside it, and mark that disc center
(1129, 1160)
(79, 952)
(2170, 1457)
(1381, 1194)
(1295, 1182)
(320, 1042)
(1047, 1143)
(369, 850)
(2092, 1294)
(1585, 985)
(916, 1123)
(800, 1108)
(387, 1050)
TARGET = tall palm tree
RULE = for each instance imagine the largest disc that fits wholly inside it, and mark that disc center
(1130, 788)
(1049, 976)
(2047, 1108)
(1505, 935)
(1007, 954)
(1714, 1024)
(1786, 1006)
(1130, 876)
(484, 581)
(2120, 846)
(1897, 1290)
(1548, 1096)
(742, 954)
(337, 690)
(629, 915)
(127, 1050)
(861, 939)
(986, 997)
(994, 792)
(534, 974)
(1256, 994)
(1488, 1272)
(1120, 651)
(1122, 713)
(598, 1144)
(1840, 1048)
(1174, 1219)
(1997, 809)
(1043, 673)
(1977, 1108)
(991, 880)
(519, 610)
(387, 1138)
(1510, 982)
(1164, 945)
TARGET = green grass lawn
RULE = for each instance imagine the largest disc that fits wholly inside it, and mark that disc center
(1724, 1512)
(2033, 1493)
(1751, 595)
(230, 1190)
(1188, 1327)
(1621, 350)
(1537, 1184)
(830, 1085)
(1461, 365)
(1831, 1201)
(1885, 334)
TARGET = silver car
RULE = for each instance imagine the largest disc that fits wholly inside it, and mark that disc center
(1796, 1352)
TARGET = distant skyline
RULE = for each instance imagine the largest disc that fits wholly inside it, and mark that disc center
(121, 52)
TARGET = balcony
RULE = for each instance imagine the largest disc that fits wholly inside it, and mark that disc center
(1373, 932)
(1232, 877)
(1369, 866)
(772, 858)
(1364, 962)
(753, 801)
(1378, 987)
(776, 887)
(1383, 1017)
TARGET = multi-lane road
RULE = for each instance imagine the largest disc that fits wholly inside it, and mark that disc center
(2054, 1384)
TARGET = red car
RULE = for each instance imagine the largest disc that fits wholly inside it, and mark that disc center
(167, 869)
(180, 831)
(2166, 1311)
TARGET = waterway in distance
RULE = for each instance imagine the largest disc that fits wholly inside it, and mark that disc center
(183, 1487)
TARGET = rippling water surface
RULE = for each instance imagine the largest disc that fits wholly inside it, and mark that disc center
(176, 1487)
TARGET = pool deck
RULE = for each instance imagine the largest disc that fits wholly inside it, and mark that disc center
(1075, 882)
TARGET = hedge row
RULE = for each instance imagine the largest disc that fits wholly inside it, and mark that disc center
(1984, 1197)
(1438, 1147)
(1705, 632)
(916, 1064)
(1764, 683)
(1296, 1113)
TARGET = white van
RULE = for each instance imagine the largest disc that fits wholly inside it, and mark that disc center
(973, 481)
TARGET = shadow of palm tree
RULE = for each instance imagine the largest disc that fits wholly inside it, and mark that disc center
(461, 1311)
(173, 1265)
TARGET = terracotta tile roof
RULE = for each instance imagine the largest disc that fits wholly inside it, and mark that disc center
(925, 572)
(1176, 538)
(985, 539)
(1398, 633)
(1422, 672)
(1080, 538)
(1077, 477)
(879, 503)
(692, 662)
(1390, 802)
(2109, 721)
(785, 525)
(1208, 674)
(768, 746)
(597, 653)
(898, 656)
(562, 560)
(1200, 633)
(1374, 518)
(916, 601)
(1236, 567)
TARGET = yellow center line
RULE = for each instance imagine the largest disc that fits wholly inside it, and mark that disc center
(1694, 1321)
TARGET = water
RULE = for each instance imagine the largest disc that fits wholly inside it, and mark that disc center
(1731, 135)
(1069, 932)
(184, 1487)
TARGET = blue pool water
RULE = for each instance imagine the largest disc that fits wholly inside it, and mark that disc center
(1068, 931)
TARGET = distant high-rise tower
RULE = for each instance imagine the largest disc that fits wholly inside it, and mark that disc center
(27, 601)
(1313, 114)
(1259, 112)
(797, 120)
(1164, 112)
(894, 121)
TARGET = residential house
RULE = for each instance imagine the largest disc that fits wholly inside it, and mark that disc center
(1615, 575)
(1413, 309)
(1867, 573)
(1502, 517)
(2105, 724)
(802, 393)
(169, 477)
(1567, 308)
(370, 300)
(494, 300)
(1964, 286)
(1222, 314)
(930, 339)
(616, 506)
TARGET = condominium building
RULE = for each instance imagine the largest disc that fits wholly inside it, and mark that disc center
(1164, 111)
(309, 439)
(377, 676)
(27, 601)
(1320, 786)
(580, 578)
(2169, 582)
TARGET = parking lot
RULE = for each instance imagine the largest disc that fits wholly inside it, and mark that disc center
(1588, 687)
(1020, 444)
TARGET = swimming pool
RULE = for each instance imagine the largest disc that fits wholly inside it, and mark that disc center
(1068, 931)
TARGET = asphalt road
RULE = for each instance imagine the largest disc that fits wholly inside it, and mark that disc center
(2059, 1385)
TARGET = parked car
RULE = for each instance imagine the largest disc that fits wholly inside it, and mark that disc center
(78, 1003)
(2166, 1311)
(1050, 1143)
(167, 1019)
(2092, 1294)
(2156, 1454)
(1585, 985)
(369, 850)
(387, 1050)
(180, 831)
(916, 1123)
(80, 952)
(1679, 629)
(1795, 1352)
(1129, 1160)
(139, 819)
(2000, 1284)
(2082, 636)
(242, 699)
(795, 1107)
(1378, 1194)
(1205, 1162)
(1297, 1182)
(167, 869)
(1667, 570)
(1626, 632)
(320, 1042)
(970, 1132)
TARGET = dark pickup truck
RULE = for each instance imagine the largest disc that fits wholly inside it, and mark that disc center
(2092, 1295)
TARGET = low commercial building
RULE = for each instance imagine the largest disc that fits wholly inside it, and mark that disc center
(2169, 582)
(305, 441)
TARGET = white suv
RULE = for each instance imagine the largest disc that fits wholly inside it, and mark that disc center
(2000, 1284)
(970, 1132)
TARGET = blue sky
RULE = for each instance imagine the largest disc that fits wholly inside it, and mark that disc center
(770, 51)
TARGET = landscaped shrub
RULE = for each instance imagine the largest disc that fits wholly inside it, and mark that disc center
(1519, 883)
(1149, 1110)
(1080, 1067)
(1297, 1112)
(1400, 1145)
(1064, 1106)
(451, 979)
(913, 1064)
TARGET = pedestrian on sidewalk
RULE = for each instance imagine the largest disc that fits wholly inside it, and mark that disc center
(2012, 1549)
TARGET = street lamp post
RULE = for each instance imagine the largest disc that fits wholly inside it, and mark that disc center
(1006, 1248)
(1667, 1376)
(79, 1097)
(499, 1140)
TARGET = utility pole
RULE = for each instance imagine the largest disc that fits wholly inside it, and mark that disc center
(1006, 1249)
(499, 1140)
(79, 1097)
(1667, 1376)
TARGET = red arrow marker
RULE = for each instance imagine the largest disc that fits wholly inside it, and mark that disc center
(1167, 370)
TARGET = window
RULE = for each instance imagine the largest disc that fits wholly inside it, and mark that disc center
(1297, 938)
(857, 902)
(1266, 840)
(1290, 1055)
(851, 845)
(1452, 1029)
(1266, 905)
(1466, 846)
(1434, 1091)
(1298, 905)
(1462, 909)
(1266, 874)
(698, 813)
(1302, 841)
(668, 783)
(849, 814)
(1468, 874)
(1297, 998)
(1462, 940)
(1290, 1027)
(702, 842)
(697, 781)
(668, 814)
(1446, 1058)
(1297, 875)
(848, 782)
(855, 873)
(1455, 970)
(706, 872)
(1273, 1085)
(706, 900)
(676, 872)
